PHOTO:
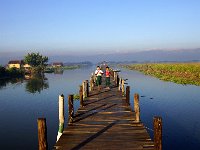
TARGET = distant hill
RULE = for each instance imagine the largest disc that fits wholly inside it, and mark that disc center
(142, 56)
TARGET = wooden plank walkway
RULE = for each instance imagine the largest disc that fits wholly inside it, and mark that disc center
(106, 122)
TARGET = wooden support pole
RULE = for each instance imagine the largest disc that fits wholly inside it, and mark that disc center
(114, 76)
(117, 80)
(70, 109)
(87, 88)
(120, 84)
(81, 96)
(123, 88)
(61, 116)
(84, 94)
(157, 123)
(128, 95)
(42, 134)
(136, 107)
(91, 83)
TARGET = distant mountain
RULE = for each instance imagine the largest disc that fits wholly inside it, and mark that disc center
(142, 56)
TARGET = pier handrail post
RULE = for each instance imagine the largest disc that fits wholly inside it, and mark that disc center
(84, 93)
(136, 107)
(120, 84)
(87, 88)
(123, 87)
(42, 134)
(81, 96)
(157, 123)
(61, 115)
(91, 83)
(70, 108)
(128, 95)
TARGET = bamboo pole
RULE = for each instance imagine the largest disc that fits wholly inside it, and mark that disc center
(81, 96)
(136, 107)
(128, 95)
(70, 109)
(42, 134)
(157, 122)
(61, 116)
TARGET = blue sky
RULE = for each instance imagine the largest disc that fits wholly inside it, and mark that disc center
(68, 26)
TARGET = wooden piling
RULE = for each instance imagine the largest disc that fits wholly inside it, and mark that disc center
(136, 107)
(42, 134)
(87, 88)
(157, 122)
(70, 109)
(91, 83)
(84, 87)
(120, 84)
(123, 88)
(81, 96)
(128, 95)
(61, 116)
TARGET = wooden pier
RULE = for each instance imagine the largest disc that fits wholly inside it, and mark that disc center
(105, 121)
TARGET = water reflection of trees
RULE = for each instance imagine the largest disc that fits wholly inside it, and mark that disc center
(37, 84)
(5, 82)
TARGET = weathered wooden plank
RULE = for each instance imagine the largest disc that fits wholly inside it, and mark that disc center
(105, 122)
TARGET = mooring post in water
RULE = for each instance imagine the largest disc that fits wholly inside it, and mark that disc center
(42, 134)
(81, 96)
(70, 109)
(61, 116)
(136, 107)
(157, 123)
(128, 95)
(87, 88)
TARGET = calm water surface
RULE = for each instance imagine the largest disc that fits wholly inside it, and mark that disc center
(23, 102)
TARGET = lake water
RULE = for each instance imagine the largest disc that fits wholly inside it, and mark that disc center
(23, 102)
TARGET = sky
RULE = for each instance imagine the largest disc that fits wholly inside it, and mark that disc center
(98, 26)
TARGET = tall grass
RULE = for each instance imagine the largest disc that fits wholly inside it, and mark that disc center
(182, 73)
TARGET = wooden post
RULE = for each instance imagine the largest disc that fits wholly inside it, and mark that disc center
(128, 95)
(81, 96)
(42, 134)
(117, 80)
(87, 88)
(123, 88)
(83, 84)
(114, 76)
(91, 83)
(157, 123)
(61, 116)
(136, 107)
(70, 109)
(120, 84)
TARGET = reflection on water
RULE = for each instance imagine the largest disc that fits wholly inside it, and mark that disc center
(178, 105)
(33, 84)
(36, 84)
(7, 81)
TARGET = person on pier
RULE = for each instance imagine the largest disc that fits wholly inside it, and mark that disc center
(107, 78)
(98, 74)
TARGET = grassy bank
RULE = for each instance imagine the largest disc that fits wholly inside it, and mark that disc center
(181, 73)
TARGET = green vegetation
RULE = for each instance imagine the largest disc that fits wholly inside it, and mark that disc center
(76, 96)
(71, 67)
(181, 73)
(10, 73)
(37, 62)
